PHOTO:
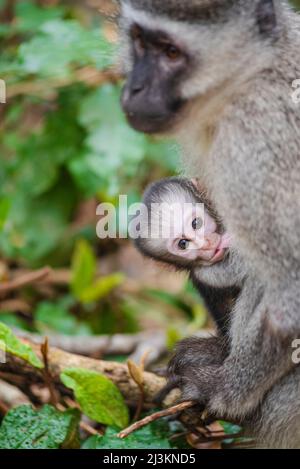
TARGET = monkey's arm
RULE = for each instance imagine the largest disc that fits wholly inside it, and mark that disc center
(219, 302)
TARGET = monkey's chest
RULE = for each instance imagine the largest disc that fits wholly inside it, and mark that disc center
(246, 197)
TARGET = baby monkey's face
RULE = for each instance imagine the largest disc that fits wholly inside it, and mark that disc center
(196, 238)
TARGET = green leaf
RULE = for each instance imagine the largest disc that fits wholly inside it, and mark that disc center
(101, 288)
(30, 17)
(11, 344)
(154, 436)
(98, 397)
(149, 437)
(55, 317)
(26, 428)
(173, 336)
(52, 52)
(106, 158)
(83, 267)
(4, 211)
(36, 236)
(199, 317)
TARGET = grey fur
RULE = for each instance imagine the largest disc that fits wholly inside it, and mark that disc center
(184, 10)
(241, 135)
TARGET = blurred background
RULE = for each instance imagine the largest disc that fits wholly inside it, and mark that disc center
(65, 148)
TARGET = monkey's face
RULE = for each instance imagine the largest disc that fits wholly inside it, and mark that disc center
(173, 64)
(151, 97)
(198, 241)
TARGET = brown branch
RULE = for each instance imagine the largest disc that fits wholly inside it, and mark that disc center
(117, 344)
(15, 305)
(23, 280)
(47, 374)
(87, 75)
(156, 416)
(59, 360)
(11, 396)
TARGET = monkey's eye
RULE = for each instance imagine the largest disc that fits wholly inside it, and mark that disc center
(197, 224)
(183, 244)
(172, 52)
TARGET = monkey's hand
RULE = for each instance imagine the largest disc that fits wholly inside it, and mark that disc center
(194, 366)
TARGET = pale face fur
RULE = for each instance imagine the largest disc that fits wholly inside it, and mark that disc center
(205, 246)
(179, 228)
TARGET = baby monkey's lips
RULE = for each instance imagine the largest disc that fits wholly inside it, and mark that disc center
(219, 255)
(221, 251)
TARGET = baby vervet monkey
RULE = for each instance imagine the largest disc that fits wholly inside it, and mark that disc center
(181, 229)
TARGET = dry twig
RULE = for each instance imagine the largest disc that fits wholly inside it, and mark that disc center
(59, 360)
(23, 280)
(156, 416)
(47, 374)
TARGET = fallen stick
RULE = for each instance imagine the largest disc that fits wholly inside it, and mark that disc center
(23, 280)
(59, 360)
(156, 416)
(117, 344)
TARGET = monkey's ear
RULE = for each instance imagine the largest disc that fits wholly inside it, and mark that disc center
(266, 17)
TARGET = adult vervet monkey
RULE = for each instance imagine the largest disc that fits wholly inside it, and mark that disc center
(218, 75)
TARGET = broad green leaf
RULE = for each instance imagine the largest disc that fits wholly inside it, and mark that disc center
(52, 52)
(98, 397)
(83, 267)
(11, 344)
(26, 428)
(30, 17)
(101, 288)
(55, 317)
(108, 158)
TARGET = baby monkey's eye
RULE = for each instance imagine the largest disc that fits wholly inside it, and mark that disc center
(197, 224)
(183, 244)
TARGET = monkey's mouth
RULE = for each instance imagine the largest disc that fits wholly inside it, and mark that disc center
(153, 124)
(222, 249)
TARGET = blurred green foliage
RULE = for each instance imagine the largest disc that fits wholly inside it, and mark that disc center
(62, 141)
